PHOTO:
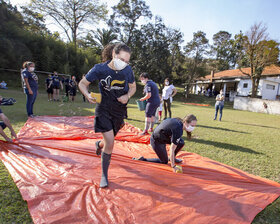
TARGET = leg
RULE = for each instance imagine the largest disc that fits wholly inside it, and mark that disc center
(216, 113)
(159, 115)
(106, 156)
(28, 102)
(165, 108)
(169, 107)
(33, 99)
(160, 150)
(221, 111)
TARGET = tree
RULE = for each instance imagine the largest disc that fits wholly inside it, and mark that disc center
(258, 52)
(195, 51)
(125, 16)
(71, 15)
(224, 51)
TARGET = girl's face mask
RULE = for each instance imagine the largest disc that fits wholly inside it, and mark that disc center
(166, 83)
(189, 128)
(119, 64)
(31, 69)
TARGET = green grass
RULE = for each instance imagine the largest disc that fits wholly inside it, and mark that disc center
(245, 140)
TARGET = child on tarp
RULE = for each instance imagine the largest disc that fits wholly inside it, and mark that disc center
(116, 84)
(170, 131)
(6, 123)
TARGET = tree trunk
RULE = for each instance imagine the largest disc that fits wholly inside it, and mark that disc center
(253, 95)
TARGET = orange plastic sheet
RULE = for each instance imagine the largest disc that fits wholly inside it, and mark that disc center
(57, 172)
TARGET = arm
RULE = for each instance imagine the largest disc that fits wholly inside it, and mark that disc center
(132, 89)
(172, 157)
(28, 86)
(8, 124)
(174, 92)
(147, 96)
(61, 85)
(83, 86)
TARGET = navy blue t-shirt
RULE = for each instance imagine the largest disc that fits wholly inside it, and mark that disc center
(56, 81)
(169, 131)
(1, 111)
(112, 84)
(32, 78)
(152, 88)
(48, 81)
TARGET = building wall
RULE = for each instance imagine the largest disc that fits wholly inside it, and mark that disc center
(257, 105)
(269, 90)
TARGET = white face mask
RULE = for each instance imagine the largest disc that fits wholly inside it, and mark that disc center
(167, 83)
(119, 64)
(31, 69)
(189, 128)
(144, 82)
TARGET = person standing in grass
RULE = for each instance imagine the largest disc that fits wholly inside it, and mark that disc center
(168, 92)
(116, 84)
(6, 123)
(49, 87)
(57, 85)
(170, 131)
(30, 85)
(153, 102)
(219, 105)
(73, 87)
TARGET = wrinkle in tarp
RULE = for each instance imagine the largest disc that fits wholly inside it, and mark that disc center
(57, 172)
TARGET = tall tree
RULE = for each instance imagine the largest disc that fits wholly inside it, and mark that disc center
(195, 51)
(71, 15)
(125, 16)
(223, 50)
(258, 52)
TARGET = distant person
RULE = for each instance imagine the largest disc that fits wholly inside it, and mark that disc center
(6, 123)
(219, 105)
(116, 84)
(49, 87)
(30, 85)
(153, 102)
(84, 98)
(67, 87)
(168, 92)
(73, 88)
(3, 85)
(57, 85)
(170, 131)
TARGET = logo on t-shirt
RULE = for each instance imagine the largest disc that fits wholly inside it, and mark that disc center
(108, 84)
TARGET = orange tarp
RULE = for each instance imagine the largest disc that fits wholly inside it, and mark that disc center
(57, 172)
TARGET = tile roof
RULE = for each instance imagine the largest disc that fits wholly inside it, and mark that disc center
(236, 73)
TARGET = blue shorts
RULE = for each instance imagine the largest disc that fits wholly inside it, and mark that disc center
(151, 109)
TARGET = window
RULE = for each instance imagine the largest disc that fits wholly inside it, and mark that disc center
(245, 85)
(268, 86)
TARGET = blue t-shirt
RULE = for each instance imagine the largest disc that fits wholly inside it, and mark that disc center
(56, 81)
(48, 81)
(169, 131)
(1, 111)
(32, 78)
(112, 84)
(152, 88)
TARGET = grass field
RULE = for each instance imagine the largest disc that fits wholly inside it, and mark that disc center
(245, 140)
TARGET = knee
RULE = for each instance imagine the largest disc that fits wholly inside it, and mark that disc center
(165, 161)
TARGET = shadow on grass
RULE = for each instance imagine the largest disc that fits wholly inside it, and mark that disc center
(225, 146)
(222, 129)
(257, 125)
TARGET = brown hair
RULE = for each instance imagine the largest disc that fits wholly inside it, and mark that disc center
(188, 118)
(144, 75)
(27, 63)
(107, 53)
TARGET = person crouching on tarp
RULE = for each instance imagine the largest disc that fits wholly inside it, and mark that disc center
(170, 131)
(116, 84)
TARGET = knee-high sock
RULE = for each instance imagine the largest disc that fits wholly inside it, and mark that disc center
(105, 162)
(147, 124)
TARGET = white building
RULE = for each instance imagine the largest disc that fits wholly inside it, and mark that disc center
(235, 83)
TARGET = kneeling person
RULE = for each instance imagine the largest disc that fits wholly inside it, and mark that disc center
(170, 131)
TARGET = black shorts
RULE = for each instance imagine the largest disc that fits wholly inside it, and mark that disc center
(50, 90)
(56, 87)
(73, 92)
(151, 109)
(106, 121)
(2, 124)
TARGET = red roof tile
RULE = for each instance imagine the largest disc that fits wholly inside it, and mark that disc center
(269, 70)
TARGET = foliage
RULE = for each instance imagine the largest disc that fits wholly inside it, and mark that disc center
(259, 52)
(125, 16)
(71, 15)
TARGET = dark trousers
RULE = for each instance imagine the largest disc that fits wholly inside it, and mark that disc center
(217, 108)
(160, 150)
(30, 100)
(167, 107)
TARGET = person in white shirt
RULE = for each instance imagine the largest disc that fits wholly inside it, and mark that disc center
(168, 92)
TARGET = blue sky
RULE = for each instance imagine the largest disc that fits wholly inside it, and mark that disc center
(211, 16)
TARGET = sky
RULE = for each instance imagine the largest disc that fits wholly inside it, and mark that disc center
(209, 16)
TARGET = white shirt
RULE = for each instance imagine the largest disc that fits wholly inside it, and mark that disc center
(167, 91)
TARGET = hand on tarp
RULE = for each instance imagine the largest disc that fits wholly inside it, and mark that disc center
(177, 169)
